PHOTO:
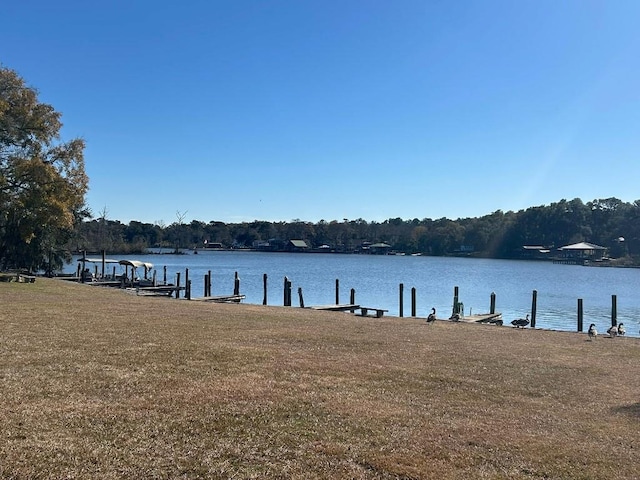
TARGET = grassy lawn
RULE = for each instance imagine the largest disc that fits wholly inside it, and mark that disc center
(99, 383)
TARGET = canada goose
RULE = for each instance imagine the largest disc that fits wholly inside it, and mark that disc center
(613, 331)
(455, 317)
(520, 322)
(432, 316)
(621, 329)
(593, 333)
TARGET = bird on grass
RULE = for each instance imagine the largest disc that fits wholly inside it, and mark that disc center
(432, 316)
(520, 322)
(613, 331)
(496, 321)
(593, 332)
(455, 317)
(621, 329)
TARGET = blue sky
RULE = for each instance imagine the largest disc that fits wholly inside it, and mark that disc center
(323, 110)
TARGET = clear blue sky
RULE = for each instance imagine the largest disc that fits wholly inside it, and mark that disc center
(280, 110)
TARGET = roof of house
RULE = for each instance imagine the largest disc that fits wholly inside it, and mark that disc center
(299, 243)
(583, 246)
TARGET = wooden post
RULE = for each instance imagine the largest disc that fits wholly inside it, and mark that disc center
(164, 278)
(186, 281)
(492, 307)
(84, 259)
(579, 314)
(300, 297)
(188, 290)
(206, 281)
(155, 283)
(337, 291)
(455, 301)
(264, 283)
(209, 284)
(178, 285)
(113, 276)
(287, 292)
(614, 310)
(401, 303)
(104, 261)
(352, 299)
(413, 301)
(534, 308)
(236, 285)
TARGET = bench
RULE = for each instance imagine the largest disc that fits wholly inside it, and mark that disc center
(379, 311)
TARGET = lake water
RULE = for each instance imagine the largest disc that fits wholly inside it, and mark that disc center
(376, 280)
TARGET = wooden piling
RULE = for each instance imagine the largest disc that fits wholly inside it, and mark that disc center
(264, 286)
(206, 281)
(178, 285)
(534, 308)
(580, 311)
(287, 292)
(352, 298)
(337, 291)
(209, 282)
(492, 306)
(104, 261)
(456, 306)
(186, 283)
(401, 301)
(187, 292)
(300, 297)
(236, 284)
(413, 301)
(614, 310)
(164, 278)
(84, 259)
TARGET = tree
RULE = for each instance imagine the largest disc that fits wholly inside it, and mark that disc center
(42, 179)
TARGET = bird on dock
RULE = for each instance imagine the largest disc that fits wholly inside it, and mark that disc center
(520, 322)
(593, 333)
(613, 331)
(621, 329)
(432, 316)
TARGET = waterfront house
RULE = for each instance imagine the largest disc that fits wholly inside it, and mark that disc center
(583, 251)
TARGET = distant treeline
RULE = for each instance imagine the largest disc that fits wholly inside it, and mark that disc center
(609, 222)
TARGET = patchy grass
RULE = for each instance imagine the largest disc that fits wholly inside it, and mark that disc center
(97, 383)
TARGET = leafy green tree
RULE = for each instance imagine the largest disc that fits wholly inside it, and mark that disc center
(42, 179)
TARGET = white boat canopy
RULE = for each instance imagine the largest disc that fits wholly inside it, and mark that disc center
(99, 260)
(136, 264)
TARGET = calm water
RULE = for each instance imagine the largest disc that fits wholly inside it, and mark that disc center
(376, 280)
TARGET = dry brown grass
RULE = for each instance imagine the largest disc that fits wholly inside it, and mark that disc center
(97, 383)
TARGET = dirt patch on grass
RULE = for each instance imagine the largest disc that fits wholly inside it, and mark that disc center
(97, 383)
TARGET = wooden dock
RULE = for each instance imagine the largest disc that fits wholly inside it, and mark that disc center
(489, 318)
(349, 307)
(160, 290)
(221, 298)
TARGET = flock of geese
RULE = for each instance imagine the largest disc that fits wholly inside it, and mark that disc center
(613, 331)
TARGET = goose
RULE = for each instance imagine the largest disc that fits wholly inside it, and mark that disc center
(520, 322)
(455, 317)
(593, 333)
(496, 321)
(621, 329)
(613, 331)
(432, 316)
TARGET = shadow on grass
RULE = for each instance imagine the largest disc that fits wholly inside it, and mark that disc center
(632, 410)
